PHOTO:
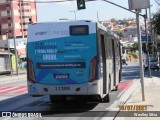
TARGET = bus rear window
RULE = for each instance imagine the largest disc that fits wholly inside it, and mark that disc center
(79, 30)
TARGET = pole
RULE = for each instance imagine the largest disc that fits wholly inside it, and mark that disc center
(13, 28)
(10, 66)
(140, 53)
(146, 31)
(117, 6)
(150, 23)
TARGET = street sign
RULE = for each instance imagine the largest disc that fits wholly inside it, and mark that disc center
(144, 38)
(138, 4)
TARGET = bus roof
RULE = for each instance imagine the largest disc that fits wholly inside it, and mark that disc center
(99, 25)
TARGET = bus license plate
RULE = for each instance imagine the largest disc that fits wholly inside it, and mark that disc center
(61, 76)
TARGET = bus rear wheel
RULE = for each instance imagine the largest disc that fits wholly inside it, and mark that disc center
(57, 98)
(116, 88)
(107, 97)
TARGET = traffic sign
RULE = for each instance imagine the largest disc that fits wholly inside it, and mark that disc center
(144, 38)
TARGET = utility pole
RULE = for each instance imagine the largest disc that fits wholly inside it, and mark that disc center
(10, 66)
(149, 72)
(140, 53)
(150, 23)
(13, 29)
(146, 32)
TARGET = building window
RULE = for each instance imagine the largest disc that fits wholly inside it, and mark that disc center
(23, 4)
(25, 17)
(25, 23)
(25, 10)
(7, 5)
(23, 30)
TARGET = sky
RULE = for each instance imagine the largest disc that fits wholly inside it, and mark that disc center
(106, 11)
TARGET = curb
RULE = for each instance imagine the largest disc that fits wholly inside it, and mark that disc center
(123, 100)
(128, 93)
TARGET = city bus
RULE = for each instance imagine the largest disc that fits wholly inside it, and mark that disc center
(72, 59)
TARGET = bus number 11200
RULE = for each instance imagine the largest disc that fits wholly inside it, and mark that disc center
(62, 88)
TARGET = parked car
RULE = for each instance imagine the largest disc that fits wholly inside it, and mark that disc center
(153, 63)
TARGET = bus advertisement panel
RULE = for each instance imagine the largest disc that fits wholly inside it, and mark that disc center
(61, 53)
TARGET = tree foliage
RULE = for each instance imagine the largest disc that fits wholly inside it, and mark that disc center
(120, 34)
(134, 47)
(113, 20)
(156, 22)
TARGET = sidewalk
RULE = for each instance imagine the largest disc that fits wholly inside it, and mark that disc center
(152, 98)
(8, 78)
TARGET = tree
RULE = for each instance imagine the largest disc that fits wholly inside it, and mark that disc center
(156, 22)
(134, 47)
(120, 34)
(113, 20)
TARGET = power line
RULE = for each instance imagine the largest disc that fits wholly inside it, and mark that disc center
(40, 1)
(51, 1)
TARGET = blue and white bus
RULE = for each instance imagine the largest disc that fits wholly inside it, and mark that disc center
(72, 59)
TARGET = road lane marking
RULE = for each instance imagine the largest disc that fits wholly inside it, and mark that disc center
(22, 90)
(6, 87)
(14, 88)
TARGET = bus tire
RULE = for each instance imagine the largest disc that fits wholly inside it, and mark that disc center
(107, 97)
(57, 98)
(120, 76)
(116, 88)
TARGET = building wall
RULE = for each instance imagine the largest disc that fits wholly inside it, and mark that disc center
(21, 11)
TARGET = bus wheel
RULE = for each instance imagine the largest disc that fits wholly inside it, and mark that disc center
(116, 88)
(57, 98)
(107, 97)
(120, 76)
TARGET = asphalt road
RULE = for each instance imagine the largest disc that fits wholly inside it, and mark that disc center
(21, 101)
